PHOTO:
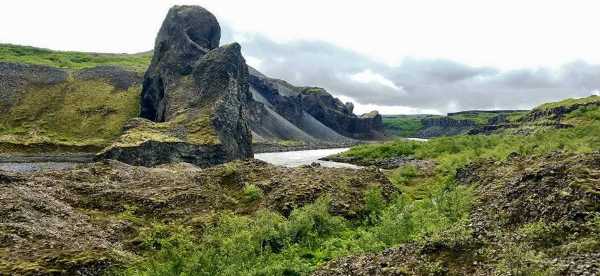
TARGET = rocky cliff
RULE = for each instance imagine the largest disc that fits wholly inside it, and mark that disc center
(65, 102)
(308, 115)
(195, 94)
(465, 121)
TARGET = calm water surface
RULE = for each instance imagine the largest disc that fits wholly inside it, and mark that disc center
(36, 166)
(303, 157)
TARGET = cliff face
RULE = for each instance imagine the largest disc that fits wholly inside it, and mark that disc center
(466, 122)
(196, 95)
(306, 114)
(86, 102)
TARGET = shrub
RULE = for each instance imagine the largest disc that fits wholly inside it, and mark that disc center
(252, 193)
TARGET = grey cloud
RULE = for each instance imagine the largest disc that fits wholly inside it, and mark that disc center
(438, 84)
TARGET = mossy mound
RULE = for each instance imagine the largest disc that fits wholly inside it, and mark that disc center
(82, 112)
(96, 216)
(72, 60)
(532, 215)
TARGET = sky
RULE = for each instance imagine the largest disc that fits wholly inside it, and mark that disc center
(399, 57)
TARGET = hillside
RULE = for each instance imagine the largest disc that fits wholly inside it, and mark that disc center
(518, 201)
(79, 102)
(72, 60)
(167, 183)
(427, 126)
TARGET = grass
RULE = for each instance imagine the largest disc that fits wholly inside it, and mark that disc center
(411, 125)
(72, 60)
(71, 113)
(403, 125)
(569, 102)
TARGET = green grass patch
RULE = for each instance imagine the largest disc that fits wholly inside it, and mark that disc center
(72, 60)
(71, 113)
(569, 102)
(403, 125)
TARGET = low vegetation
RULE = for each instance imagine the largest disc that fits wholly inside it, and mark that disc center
(72, 60)
(73, 113)
(403, 125)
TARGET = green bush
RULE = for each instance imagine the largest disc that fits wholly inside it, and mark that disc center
(252, 193)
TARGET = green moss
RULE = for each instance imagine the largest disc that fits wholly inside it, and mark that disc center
(480, 118)
(569, 102)
(73, 113)
(403, 125)
(72, 60)
(195, 131)
(314, 90)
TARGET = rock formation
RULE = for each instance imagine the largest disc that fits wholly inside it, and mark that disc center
(305, 114)
(195, 94)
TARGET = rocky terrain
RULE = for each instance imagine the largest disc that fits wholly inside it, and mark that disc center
(71, 102)
(457, 123)
(85, 220)
(531, 216)
(174, 190)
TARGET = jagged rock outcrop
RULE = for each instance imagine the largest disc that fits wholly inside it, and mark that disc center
(306, 115)
(339, 117)
(187, 33)
(556, 113)
(195, 94)
(444, 126)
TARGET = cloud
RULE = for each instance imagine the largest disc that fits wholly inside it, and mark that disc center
(432, 85)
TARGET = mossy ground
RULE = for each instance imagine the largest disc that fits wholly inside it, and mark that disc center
(112, 214)
(76, 113)
(531, 210)
(569, 102)
(72, 60)
(184, 128)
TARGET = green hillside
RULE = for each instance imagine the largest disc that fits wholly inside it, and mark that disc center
(72, 60)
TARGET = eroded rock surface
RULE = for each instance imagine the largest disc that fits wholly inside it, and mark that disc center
(532, 215)
(83, 220)
(195, 94)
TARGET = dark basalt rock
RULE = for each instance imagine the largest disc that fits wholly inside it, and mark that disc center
(196, 95)
(118, 77)
(222, 76)
(187, 33)
(338, 116)
(15, 77)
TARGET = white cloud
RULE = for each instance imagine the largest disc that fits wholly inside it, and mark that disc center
(369, 77)
(253, 61)
(475, 33)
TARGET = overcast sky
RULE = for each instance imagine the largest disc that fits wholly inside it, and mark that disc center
(394, 56)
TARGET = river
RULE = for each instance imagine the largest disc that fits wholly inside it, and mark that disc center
(287, 159)
(303, 157)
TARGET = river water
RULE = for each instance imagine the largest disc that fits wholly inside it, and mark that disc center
(26, 167)
(303, 157)
(287, 159)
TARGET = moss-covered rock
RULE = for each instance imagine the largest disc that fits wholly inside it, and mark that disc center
(72, 111)
(86, 219)
(194, 94)
(532, 215)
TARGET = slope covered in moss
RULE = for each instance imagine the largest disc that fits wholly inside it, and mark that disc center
(86, 110)
(72, 60)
